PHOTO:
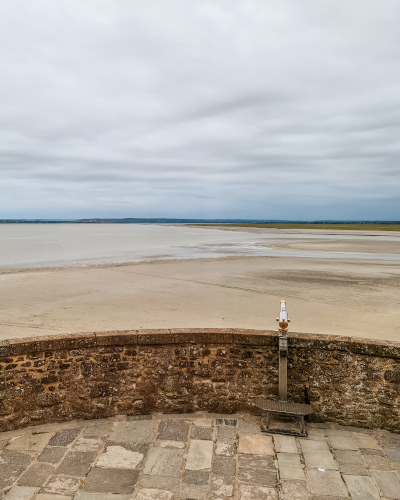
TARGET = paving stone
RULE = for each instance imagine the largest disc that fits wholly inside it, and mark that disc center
(168, 483)
(65, 437)
(289, 466)
(224, 466)
(111, 480)
(325, 483)
(3, 444)
(101, 496)
(361, 487)
(343, 442)
(9, 473)
(202, 422)
(348, 457)
(170, 444)
(252, 492)
(36, 475)
(309, 446)
(354, 470)
(97, 430)
(31, 443)
(173, 430)
(257, 462)
(62, 485)
(201, 433)
(377, 463)
(138, 447)
(117, 457)
(195, 477)
(285, 444)
(87, 444)
(221, 487)
(371, 451)
(294, 490)
(50, 496)
(388, 483)
(21, 493)
(154, 494)
(337, 433)
(140, 431)
(16, 458)
(263, 477)
(249, 427)
(226, 434)
(393, 454)
(194, 491)
(396, 466)
(199, 455)
(225, 449)
(52, 454)
(320, 460)
(164, 462)
(365, 441)
(76, 463)
(316, 434)
(256, 445)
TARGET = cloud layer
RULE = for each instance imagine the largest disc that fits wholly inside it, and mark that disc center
(258, 109)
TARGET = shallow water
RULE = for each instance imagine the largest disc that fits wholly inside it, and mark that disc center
(48, 245)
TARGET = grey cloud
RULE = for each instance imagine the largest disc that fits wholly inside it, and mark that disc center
(200, 109)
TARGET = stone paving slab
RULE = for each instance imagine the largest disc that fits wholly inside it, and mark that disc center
(196, 457)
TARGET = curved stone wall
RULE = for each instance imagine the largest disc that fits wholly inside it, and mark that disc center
(353, 381)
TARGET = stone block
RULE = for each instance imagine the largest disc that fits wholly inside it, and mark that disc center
(118, 457)
(170, 444)
(262, 477)
(101, 496)
(285, 444)
(164, 462)
(61, 485)
(50, 496)
(316, 434)
(225, 449)
(257, 462)
(320, 460)
(21, 493)
(9, 473)
(76, 463)
(173, 430)
(361, 487)
(226, 434)
(195, 477)
(111, 481)
(201, 433)
(290, 467)
(348, 457)
(310, 446)
(294, 490)
(343, 442)
(199, 455)
(36, 475)
(97, 430)
(325, 483)
(16, 458)
(221, 487)
(52, 454)
(65, 437)
(87, 444)
(202, 422)
(250, 427)
(224, 466)
(256, 445)
(140, 431)
(377, 462)
(167, 483)
(388, 483)
(393, 454)
(194, 491)
(253, 492)
(154, 494)
(365, 441)
(354, 470)
(31, 443)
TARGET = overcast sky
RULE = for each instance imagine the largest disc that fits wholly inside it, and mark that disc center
(285, 109)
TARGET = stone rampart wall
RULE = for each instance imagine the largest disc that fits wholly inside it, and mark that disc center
(353, 381)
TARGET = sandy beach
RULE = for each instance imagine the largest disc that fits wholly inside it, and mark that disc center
(328, 296)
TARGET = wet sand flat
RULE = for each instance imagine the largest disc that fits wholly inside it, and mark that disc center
(327, 296)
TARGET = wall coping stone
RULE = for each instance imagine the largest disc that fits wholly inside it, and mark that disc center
(359, 345)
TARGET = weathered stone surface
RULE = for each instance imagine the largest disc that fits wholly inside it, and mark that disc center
(256, 445)
(101, 496)
(250, 427)
(320, 460)
(393, 454)
(117, 457)
(163, 462)
(257, 476)
(195, 477)
(290, 466)
(252, 492)
(201, 433)
(377, 462)
(225, 449)
(21, 493)
(76, 463)
(168, 483)
(16, 458)
(61, 485)
(224, 466)
(64, 437)
(97, 430)
(361, 487)
(221, 487)
(50, 496)
(31, 443)
(52, 454)
(111, 481)
(365, 441)
(87, 444)
(285, 444)
(310, 446)
(325, 483)
(388, 483)
(343, 442)
(154, 494)
(194, 491)
(36, 475)
(170, 444)
(173, 430)
(226, 434)
(9, 473)
(294, 490)
(257, 462)
(140, 431)
(199, 455)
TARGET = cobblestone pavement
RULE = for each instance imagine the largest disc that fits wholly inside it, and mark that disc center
(196, 456)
